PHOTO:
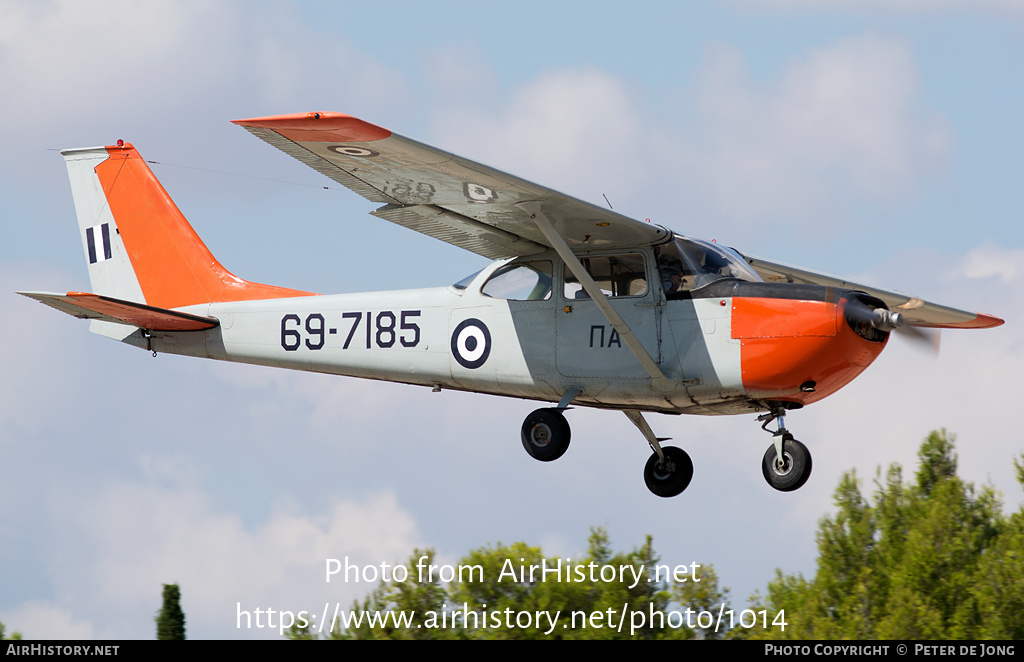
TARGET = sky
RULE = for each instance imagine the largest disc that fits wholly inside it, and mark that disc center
(878, 141)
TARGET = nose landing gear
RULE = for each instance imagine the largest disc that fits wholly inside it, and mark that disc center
(787, 462)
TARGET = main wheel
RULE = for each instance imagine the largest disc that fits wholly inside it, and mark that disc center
(670, 476)
(546, 434)
(794, 469)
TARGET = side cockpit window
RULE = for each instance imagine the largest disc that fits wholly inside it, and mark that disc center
(616, 275)
(520, 281)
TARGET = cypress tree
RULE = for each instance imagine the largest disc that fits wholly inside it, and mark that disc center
(170, 621)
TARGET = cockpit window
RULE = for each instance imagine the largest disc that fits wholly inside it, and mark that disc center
(616, 275)
(520, 281)
(464, 283)
(687, 264)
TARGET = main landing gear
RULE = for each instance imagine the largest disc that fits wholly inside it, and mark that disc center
(786, 464)
(669, 470)
(546, 434)
(670, 473)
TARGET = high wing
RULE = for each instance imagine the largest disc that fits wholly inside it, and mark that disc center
(453, 199)
(915, 311)
(498, 215)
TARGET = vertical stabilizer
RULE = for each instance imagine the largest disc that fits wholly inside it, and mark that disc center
(138, 244)
(110, 269)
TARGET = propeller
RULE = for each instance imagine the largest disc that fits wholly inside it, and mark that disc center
(865, 312)
(923, 338)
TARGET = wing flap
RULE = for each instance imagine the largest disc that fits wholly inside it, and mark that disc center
(385, 167)
(916, 311)
(84, 305)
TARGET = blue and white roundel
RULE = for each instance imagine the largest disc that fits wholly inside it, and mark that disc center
(471, 343)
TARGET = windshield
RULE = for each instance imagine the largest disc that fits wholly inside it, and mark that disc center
(686, 264)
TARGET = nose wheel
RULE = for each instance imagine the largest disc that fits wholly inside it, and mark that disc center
(787, 463)
(790, 471)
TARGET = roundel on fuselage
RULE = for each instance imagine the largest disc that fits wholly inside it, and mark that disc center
(471, 343)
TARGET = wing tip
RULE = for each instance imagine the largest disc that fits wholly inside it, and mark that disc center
(318, 127)
(980, 321)
(983, 321)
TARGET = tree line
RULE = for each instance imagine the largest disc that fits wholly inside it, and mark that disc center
(931, 558)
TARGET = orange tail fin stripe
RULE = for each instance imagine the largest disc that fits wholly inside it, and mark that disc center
(173, 265)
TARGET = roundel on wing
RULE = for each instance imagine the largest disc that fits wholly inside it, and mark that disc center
(471, 343)
(349, 150)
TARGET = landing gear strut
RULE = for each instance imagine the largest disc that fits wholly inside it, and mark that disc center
(787, 463)
(670, 469)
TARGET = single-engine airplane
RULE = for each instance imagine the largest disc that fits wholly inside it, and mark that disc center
(582, 305)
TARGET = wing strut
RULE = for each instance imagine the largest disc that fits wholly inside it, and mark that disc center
(658, 378)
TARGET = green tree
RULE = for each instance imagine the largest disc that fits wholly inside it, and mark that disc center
(505, 583)
(297, 632)
(497, 583)
(416, 597)
(693, 597)
(931, 559)
(170, 620)
(3, 635)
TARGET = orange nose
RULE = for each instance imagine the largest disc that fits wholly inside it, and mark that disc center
(798, 351)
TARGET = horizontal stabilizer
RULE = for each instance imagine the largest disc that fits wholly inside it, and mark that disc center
(108, 309)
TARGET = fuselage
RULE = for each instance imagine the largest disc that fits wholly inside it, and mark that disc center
(521, 328)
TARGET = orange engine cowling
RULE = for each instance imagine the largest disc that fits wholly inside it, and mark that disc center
(801, 351)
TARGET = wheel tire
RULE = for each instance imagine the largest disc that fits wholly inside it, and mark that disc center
(795, 469)
(670, 478)
(546, 434)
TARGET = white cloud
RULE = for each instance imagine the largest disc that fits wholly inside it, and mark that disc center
(840, 122)
(167, 68)
(988, 261)
(29, 397)
(82, 52)
(42, 620)
(568, 129)
(133, 538)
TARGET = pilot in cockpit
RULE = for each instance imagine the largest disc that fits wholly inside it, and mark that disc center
(671, 274)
